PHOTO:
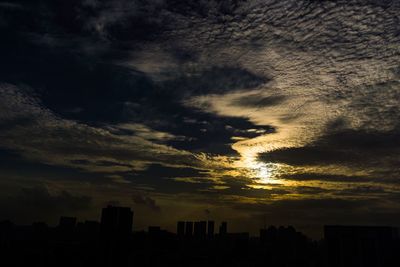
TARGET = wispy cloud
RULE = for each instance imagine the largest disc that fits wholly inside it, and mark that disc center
(241, 102)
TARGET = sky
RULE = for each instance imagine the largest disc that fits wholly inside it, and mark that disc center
(281, 112)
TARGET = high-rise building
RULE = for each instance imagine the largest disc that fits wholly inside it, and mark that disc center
(203, 229)
(180, 228)
(88, 228)
(189, 229)
(200, 229)
(154, 230)
(197, 229)
(268, 235)
(223, 229)
(360, 245)
(210, 229)
(67, 224)
(116, 220)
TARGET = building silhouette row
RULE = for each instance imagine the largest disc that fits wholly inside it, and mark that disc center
(199, 229)
(116, 220)
(112, 242)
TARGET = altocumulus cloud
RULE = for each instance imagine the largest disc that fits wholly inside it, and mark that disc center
(119, 87)
(38, 203)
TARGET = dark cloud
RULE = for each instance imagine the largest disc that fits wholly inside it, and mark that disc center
(217, 80)
(325, 177)
(113, 203)
(147, 201)
(173, 172)
(306, 156)
(259, 101)
(310, 190)
(213, 134)
(38, 203)
(364, 191)
(386, 177)
(121, 19)
(101, 163)
(243, 187)
(311, 214)
(204, 8)
(344, 147)
(164, 179)
(94, 89)
(12, 162)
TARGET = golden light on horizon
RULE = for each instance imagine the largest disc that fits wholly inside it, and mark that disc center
(262, 173)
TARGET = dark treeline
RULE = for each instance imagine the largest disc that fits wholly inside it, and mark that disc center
(111, 242)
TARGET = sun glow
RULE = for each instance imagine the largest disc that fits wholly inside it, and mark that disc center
(262, 173)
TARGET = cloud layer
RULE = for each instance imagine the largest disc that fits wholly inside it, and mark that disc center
(250, 106)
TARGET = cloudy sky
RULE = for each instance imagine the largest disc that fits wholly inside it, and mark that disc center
(276, 111)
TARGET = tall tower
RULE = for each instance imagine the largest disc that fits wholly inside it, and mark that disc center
(189, 229)
(203, 229)
(116, 220)
(223, 229)
(210, 229)
(180, 228)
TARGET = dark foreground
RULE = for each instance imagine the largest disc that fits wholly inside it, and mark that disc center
(112, 243)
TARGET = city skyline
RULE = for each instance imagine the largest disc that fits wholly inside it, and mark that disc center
(112, 242)
(118, 222)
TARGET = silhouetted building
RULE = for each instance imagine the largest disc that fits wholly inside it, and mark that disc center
(239, 236)
(189, 229)
(6, 233)
(210, 229)
(91, 226)
(200, 229)
(180, 228)
(88, 227)
(40, 226)
(360, 245)
(223, 229)
(197, 229)
(67, 224)
(263, 235)
(116, 220)
(154, 232)
(203, 229)
(154, 229)
(40, 245)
